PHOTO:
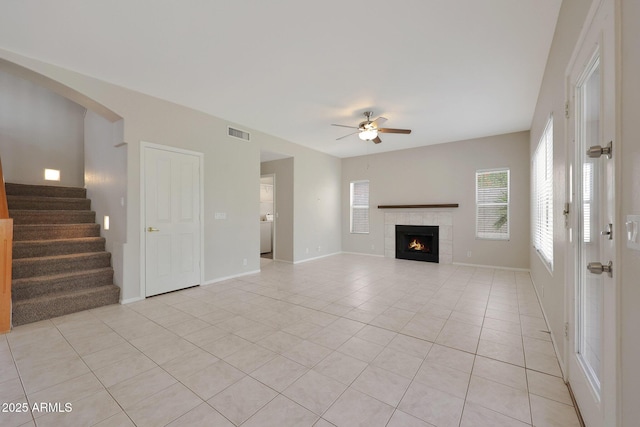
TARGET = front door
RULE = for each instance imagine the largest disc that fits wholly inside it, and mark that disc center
(592, 257)
(172, 226)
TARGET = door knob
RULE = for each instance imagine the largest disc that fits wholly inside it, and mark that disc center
(598, 268)
(596, 151)
(150, 229)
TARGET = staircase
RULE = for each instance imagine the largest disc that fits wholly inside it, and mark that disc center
(59, 261)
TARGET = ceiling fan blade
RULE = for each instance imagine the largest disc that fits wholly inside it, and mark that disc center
(390, 130)
(377, 122)
(345, 126)
(342, 137)
(377, 140)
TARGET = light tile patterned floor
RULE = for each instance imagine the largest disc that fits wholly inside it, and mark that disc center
(343, 341)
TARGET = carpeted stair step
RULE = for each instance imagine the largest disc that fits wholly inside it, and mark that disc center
(54, 231)
(51, 217)
(43, 248)
(45, 191)
(48, 203)
(42, 266)
(33, 287)
(59, 304)
(59, 261)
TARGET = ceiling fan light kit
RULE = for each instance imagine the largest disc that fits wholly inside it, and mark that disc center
(368, 129)
(368, 134)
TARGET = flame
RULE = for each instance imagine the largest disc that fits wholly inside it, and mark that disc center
(416, 245)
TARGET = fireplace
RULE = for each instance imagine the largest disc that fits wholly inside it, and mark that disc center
(417, 242)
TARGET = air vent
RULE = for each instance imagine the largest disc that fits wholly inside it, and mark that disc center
(240, 134)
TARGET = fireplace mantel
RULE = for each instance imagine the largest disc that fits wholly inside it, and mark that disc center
(445, 205)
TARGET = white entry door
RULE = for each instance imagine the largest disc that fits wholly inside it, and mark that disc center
(172, 226)
(592, 255)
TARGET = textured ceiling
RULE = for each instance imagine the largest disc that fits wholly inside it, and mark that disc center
(448, 70)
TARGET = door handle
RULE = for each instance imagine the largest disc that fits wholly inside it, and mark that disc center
(598, 268)
(596, 151)
(151, 229)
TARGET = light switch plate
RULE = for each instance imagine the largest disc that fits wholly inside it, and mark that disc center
(220, 215)
(632, 232)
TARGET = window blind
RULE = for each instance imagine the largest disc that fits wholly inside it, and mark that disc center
(587, 190)
(492, 204)
(543, 195)
(360, 207)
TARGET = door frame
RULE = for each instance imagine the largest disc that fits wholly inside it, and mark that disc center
(610, 392)
(275, 215)
(144, 145)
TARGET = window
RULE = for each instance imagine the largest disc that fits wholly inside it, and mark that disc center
(587, 189)
(543, 196)
(492, 204)
(360, 207)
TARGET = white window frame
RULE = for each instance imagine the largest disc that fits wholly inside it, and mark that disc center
(497, 235)
(542, 196)
(353, 207)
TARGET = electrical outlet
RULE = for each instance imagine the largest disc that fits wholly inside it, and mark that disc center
(307, 250)
(373, 247)
(468, 254)
(244, 261)
(220, 215)
(319, 248)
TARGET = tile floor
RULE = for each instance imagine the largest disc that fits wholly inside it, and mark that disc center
(347, 341)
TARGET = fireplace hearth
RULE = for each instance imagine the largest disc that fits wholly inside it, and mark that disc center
(417, 242)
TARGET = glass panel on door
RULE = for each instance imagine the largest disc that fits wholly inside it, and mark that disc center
(590, 287)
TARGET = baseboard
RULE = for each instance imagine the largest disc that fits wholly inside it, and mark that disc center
(551, 334)
(496, 267)
(361, 253)
(130, 300)
(234, 276)
(316, 258)
(575, 404)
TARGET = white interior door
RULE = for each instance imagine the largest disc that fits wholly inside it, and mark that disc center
(172, 220)
(592, 338)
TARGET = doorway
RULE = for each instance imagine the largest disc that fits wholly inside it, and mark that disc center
(592, 281)
(267, 216)
(171, 218)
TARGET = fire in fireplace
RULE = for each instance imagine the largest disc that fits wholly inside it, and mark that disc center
(417, 242)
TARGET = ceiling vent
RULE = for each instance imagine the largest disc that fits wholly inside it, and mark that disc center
(237, 133)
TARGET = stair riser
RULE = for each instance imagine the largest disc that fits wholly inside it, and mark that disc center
(30, 250)
(48, 203)
(46, 232)
(34, 310)
(52, 217)
(33, 267)
(45, 191)
(37, 287)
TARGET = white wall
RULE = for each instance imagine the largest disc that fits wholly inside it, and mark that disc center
(551, 100)
(445, 173)
(231, 175)
(105, 163)
(39, 129)
(629, 197)
(316, 192)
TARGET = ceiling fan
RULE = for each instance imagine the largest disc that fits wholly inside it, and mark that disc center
(368, 130)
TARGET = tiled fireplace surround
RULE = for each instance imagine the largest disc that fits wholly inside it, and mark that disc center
(443, 218)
